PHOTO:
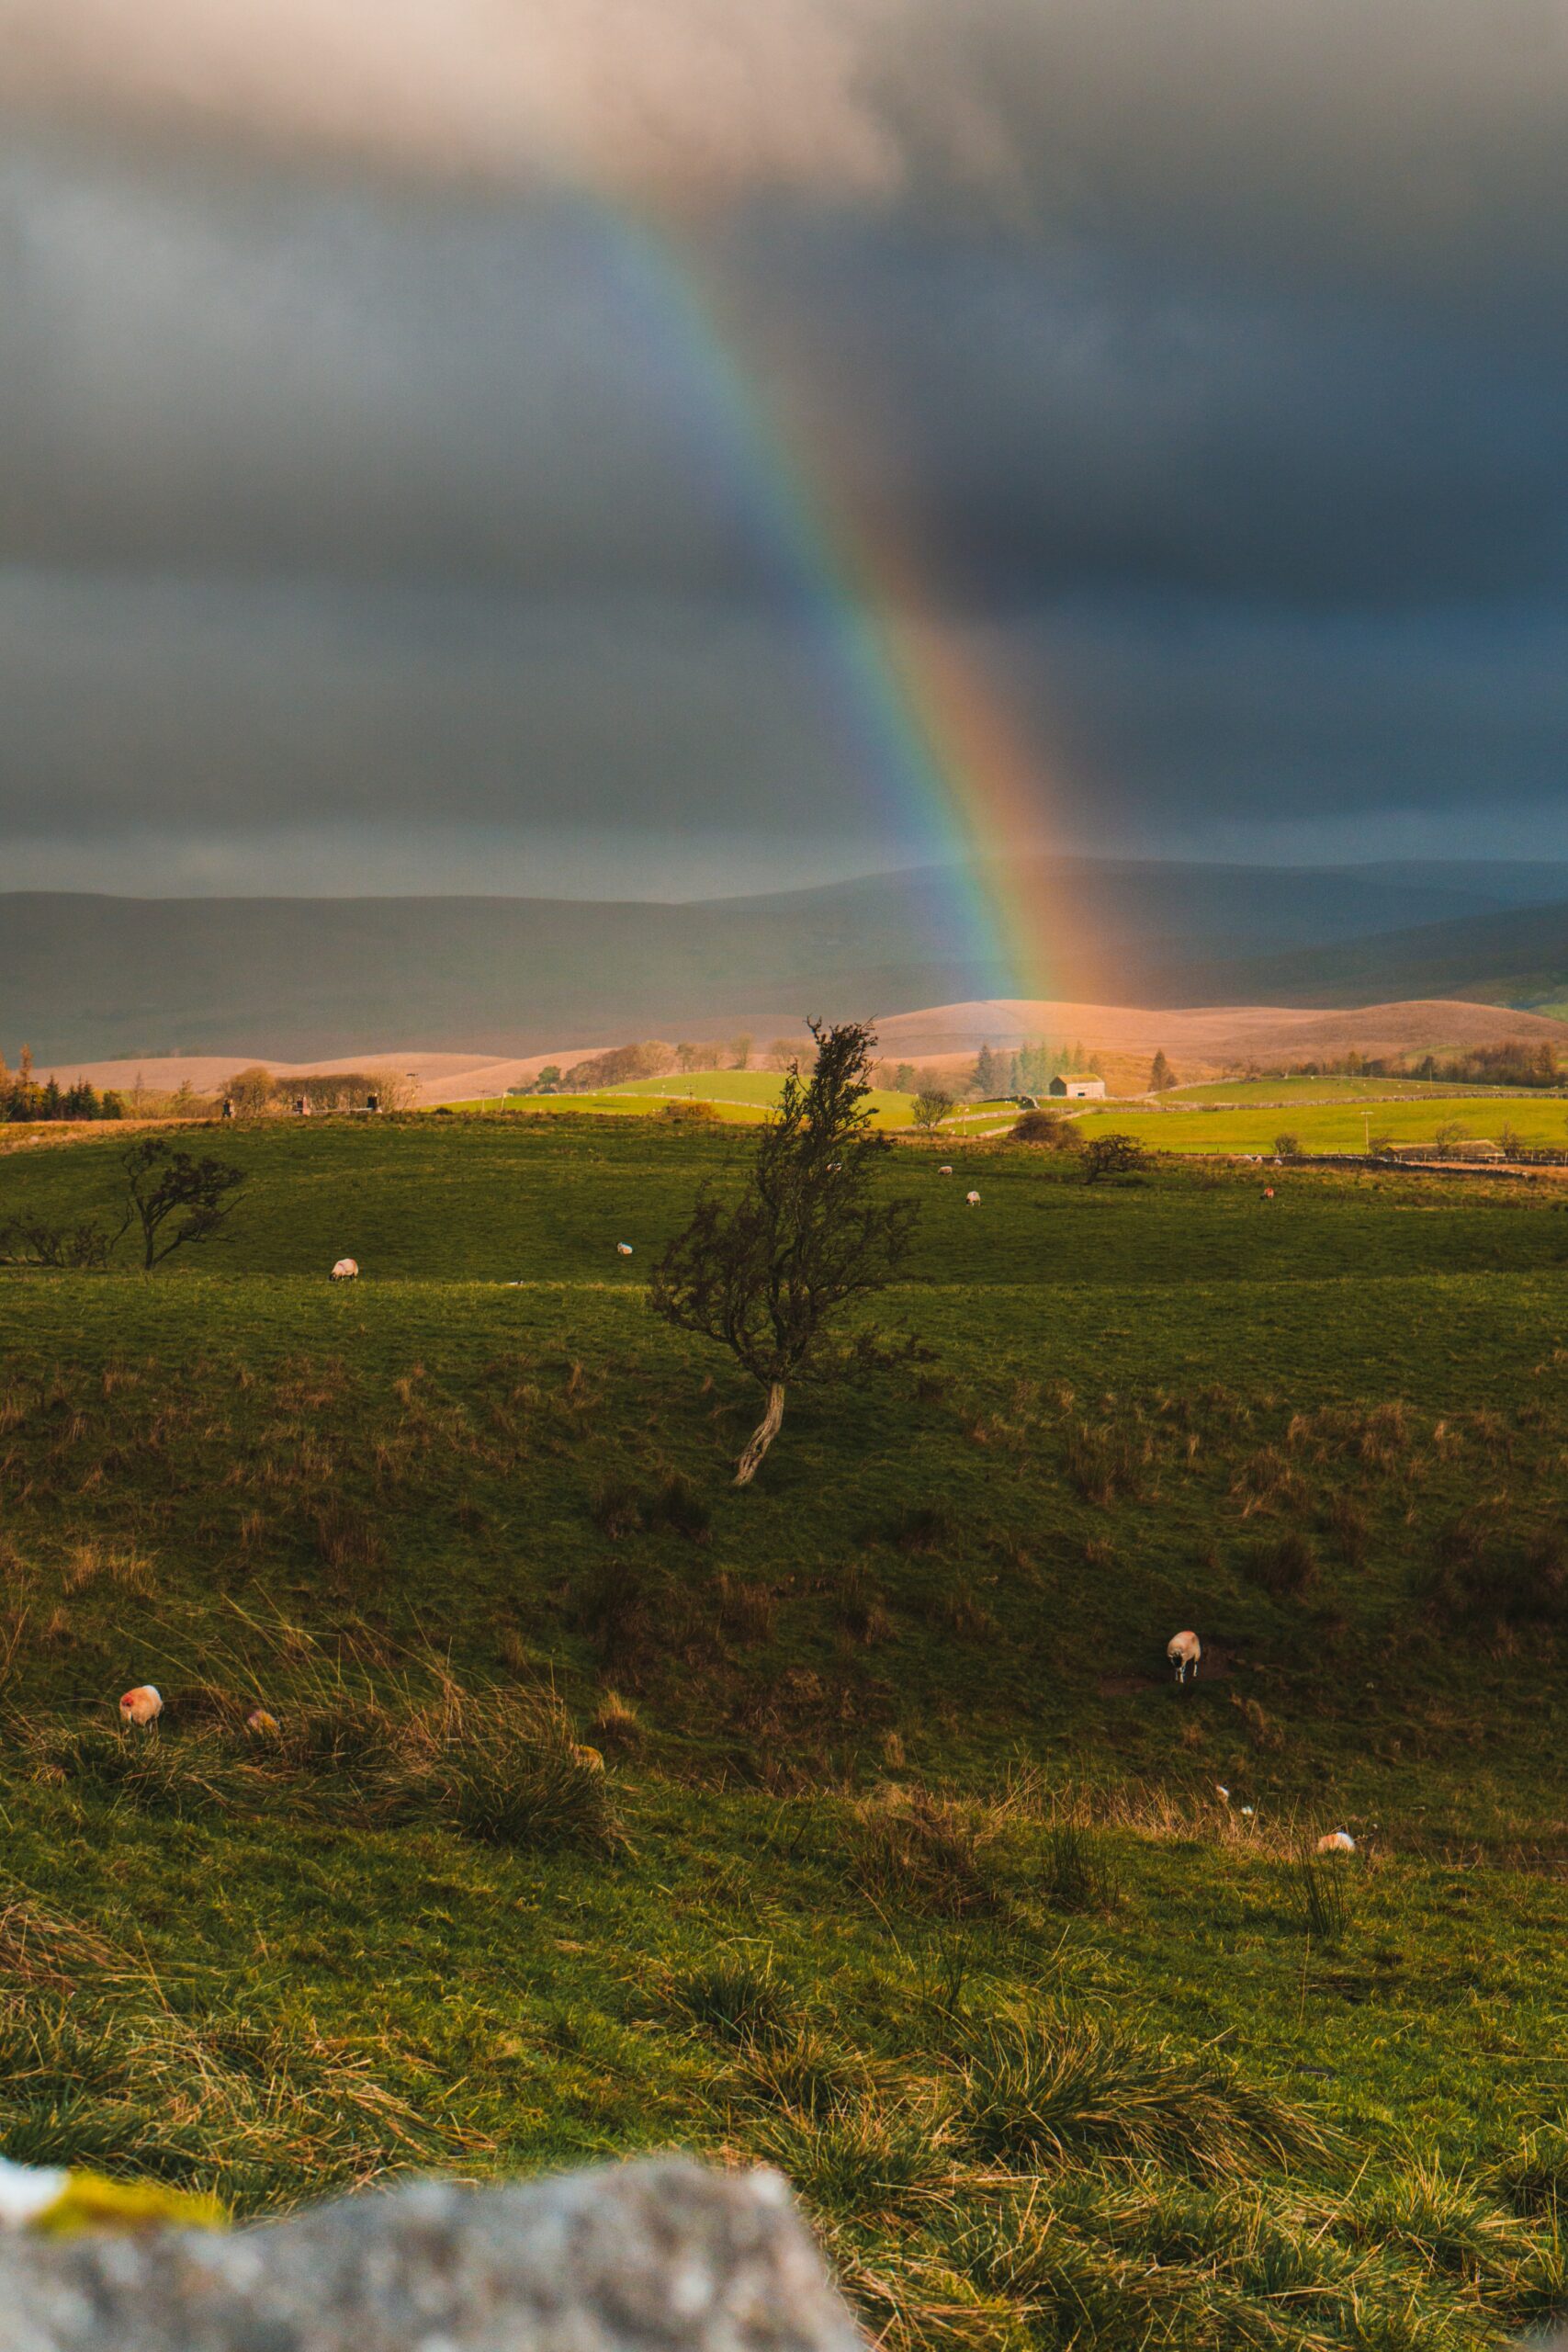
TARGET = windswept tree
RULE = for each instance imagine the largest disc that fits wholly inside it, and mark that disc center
(173, 1198)
(765, 1275)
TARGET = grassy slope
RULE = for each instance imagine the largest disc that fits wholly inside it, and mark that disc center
(958, 1576)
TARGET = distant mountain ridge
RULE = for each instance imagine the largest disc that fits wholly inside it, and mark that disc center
(87, 977)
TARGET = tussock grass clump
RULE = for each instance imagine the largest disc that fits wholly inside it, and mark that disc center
(616, 1508)
(921, 1528)
(1446, 2220)
(153, 1771)
(923, 1853)
(614, 1724)
(804, 2071)
(1285, 1567)
(614, 1608)
(737, 2000)
(863, 2160)
(1048, 2089)
(1104, 1460)
(678, 1509)
(501, 1766)
(348, 1536)
(1496, 1588)
(1078, 1871)
(1346, 1522)
(1318, 1891)
(510, 1771)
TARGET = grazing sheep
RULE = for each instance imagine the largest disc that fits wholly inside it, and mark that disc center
(1336, 1841)
(944, 1172)
(264, 1723)
(346, 1271)
(623, 1248)
(141, 1706)
(1184, 1650)
(973, 1199)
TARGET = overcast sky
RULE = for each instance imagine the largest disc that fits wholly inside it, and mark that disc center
(375, 513)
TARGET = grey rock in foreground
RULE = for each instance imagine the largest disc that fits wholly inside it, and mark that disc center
(663, 2257)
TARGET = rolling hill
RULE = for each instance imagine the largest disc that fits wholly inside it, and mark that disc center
(89, 979)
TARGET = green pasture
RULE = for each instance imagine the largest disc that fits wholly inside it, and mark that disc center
(741, 1097)
(1242, 1091)
(1335, 1127)
(911, 1868)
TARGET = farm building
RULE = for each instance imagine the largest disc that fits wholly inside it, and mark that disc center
(1078, 1090)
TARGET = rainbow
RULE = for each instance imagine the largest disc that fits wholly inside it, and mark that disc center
(945, 762)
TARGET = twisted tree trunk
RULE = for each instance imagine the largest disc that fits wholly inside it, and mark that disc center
(762, 1436)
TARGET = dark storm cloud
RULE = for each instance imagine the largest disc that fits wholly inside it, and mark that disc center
(357, 465)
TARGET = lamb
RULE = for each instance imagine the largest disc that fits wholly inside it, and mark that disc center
(141, 1706)
(623, 1248)
(973, 1199)
(346, 1271)
(1184, 1650)
(1336, 1841)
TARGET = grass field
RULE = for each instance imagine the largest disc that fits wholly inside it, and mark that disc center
(1336, 1126)
(908, 1870)
(1243, 1116)
(740, 1096)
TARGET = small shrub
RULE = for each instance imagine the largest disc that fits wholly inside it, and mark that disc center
(691, 1111)
(1287, 1147)
(1047, 1127)
(1115, 1159)
(1285, 1567)
(921, 1853)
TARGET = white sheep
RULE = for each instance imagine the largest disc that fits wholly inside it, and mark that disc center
(1184, 1650)
(944, 1172)
(141, 1706)
(973, 1199)
(623, 1248)
(1336, 1841)
(346, 1271)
